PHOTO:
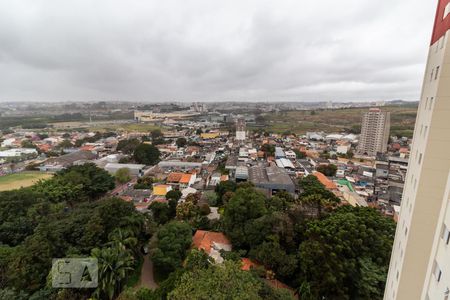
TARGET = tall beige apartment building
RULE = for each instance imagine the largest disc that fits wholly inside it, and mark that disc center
(374, 132)
(420, 262)
(240, 129)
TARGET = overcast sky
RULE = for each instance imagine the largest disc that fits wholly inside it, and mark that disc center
(208, 50)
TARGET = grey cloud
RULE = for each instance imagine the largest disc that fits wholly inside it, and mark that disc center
(213, 50)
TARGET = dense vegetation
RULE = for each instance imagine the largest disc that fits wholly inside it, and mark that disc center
(67, 216)
(321, 249)
(146, 154)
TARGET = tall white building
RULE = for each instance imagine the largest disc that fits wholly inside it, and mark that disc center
(240, 130)
(420, 262)
(374, 132)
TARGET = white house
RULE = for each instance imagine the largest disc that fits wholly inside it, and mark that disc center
(8, 142)
(342, 149)
(290, 154)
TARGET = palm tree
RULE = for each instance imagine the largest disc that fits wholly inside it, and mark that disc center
(124, 239)
(134, 223)
(114, 265)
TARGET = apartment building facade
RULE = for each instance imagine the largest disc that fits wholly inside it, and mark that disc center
(420, 262)
(374, 132)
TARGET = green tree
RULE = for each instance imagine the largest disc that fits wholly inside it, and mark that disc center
(27, 144)
(59, 190)
(299, 154)
(15, 225)
(188, 209)
(181, 142)
(222, 188)
(12, 294)
(128, 146)
(260, 119)
(114, 266)
(346, 255)
(123, 175)
(160, 212)
(327, 170)
(156, 134)
(312, 186)
(173, 197)
(144, 183)
(6, 253)
(140, 294)
(124, 239)
(224, 281)
(95, 181)
(173, 240)
(65, 144)
(281, 201)
(197, 259)
(268, 149)
(316, 204)
(109, 214)
(241, 213)
(275, 258)
(146, 154)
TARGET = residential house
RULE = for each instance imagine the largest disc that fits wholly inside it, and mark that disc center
(212, 243)
(183, 180)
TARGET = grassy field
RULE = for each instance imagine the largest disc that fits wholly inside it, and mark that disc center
(335, 120)
(140, 127)
(104, 126)
(18, 180)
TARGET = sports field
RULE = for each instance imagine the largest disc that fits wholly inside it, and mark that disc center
(18, 180)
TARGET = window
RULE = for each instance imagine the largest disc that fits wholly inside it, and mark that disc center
(437, 272)
(431, 103)
(445, 234)
(446, 11)
(420, 158)
(425, 132)
(437, 73)
(432, 73)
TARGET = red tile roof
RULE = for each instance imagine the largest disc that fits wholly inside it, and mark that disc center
(325, 181)
(204, 240)
(248, 264)
(87, 148)
(185, 178)
(174, 177)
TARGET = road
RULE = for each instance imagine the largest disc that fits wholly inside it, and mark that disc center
(147, 278)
